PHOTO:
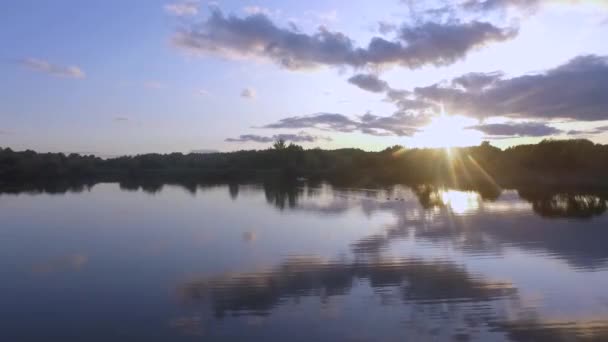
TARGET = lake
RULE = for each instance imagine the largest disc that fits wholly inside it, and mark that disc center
(263, 262)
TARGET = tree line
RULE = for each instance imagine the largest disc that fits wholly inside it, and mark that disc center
(559, 161)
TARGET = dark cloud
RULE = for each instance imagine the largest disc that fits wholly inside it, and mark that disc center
(399, 124)
(572, 91)
(442, 44)
(596, 130)
(516, 129)
(300, 137)
(386, 27)
(369, 82)
(575, 90)
(476, 81)
(414, 46)
(329, 121)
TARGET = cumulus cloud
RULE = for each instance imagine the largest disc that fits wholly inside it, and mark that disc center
(399, 124)
(574, 90)
(300, 137)
(52, 69)
(413, 46)
(369, 82)
(182, 9)
(516, 129)
(248, 93)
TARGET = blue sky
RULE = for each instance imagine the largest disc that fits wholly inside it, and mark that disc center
(116, 77)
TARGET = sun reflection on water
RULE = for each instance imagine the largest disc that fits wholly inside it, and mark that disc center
(460, 202)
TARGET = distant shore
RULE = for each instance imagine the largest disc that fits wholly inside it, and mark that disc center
(548, 163)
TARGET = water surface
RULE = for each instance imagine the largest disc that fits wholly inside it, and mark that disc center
(265, 262)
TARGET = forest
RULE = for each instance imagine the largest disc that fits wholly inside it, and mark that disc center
(550, 162)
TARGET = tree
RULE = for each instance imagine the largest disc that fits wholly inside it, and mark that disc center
(279, 144)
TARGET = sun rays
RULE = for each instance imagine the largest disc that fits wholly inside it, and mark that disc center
(446, 130)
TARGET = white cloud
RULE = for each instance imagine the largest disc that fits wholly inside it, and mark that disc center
(248, 93)
(52, 69)
(261, 10)
(182, 9)
(327, 16)
(153, 85)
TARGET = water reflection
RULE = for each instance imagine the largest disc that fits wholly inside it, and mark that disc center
(419, 281)
(547, 202)
(460, 202)
(73, 262)
(442, 293)
(574, 205)
(537, 330)
(421, 262)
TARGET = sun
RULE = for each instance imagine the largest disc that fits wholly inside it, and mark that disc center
(448, 131)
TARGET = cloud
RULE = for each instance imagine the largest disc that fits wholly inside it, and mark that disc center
(182, 9)
(52, 69)
(251, 10)
(203, 92)
(574, 90)
(596, 130)
(516, 129)
(248, 93)
(491, 5)
(476, 81)
(120, 119)
(328, 16)
(369, 82)
(385, 27)
(413, 46)
(300, 137)
(399, 124)
(329, 121)
(153, 85)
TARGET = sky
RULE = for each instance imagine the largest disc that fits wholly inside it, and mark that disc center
(129, 77)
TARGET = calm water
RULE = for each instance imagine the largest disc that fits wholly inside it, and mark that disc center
(268, 263)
